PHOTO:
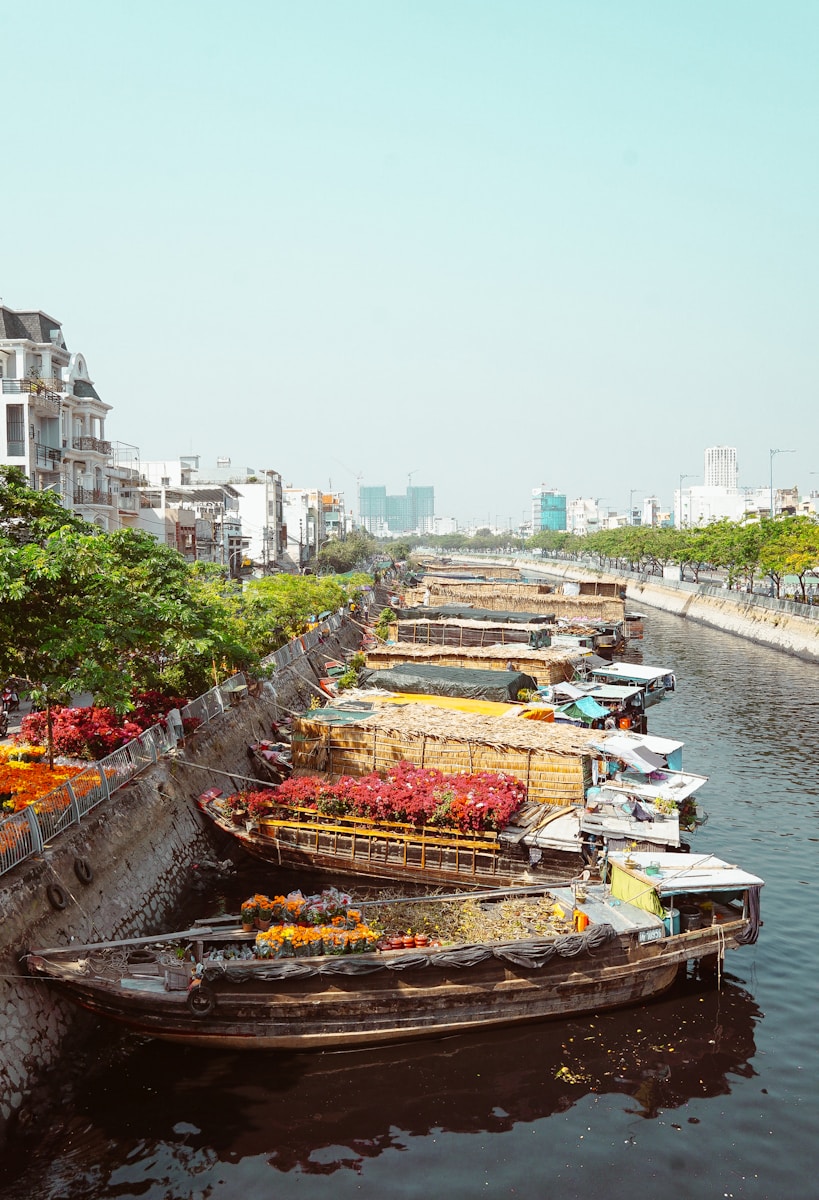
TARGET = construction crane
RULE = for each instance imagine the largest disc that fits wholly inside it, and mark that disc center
(410, 474)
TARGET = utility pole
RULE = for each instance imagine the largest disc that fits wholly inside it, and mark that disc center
(772, 454)
(682, 477)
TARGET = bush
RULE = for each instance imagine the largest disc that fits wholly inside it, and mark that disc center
(92, 733)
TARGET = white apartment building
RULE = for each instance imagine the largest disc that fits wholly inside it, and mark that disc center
(720, 467)
(55, 420)
(251, 505)
(582, 516)
(305, 531)
(444, 525)
(651, 511)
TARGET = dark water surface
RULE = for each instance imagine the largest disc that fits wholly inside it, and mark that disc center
(706, 1093)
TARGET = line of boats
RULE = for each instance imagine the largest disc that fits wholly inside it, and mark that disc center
(532, 847)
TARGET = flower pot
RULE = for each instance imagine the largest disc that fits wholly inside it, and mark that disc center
(247, 926)
(262, 925)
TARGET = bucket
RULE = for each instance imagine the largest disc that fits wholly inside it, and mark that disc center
(671, 920)
(690, 918)
(625, 722)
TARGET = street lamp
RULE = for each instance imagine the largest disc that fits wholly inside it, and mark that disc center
(682, 477)
(772, 453)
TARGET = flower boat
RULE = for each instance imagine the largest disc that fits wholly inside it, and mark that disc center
(394, 825)
(517, 955)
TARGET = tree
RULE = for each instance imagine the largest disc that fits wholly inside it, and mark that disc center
(112, 614)
(792, 548)
(340, 556)
(281, 607)
(29, 516)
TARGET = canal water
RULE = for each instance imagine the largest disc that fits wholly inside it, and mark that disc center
(705, 1093)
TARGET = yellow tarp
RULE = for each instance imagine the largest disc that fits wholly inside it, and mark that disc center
(489, 708)
(634, 891)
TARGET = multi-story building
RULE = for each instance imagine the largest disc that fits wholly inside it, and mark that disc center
(720, 467)
(305, 530)
(650, 514)
(201, 522)
(444, 525)
(54, 418)
(583, 516)
(385, 516)
(548, 509)
(249, 503)
(335, 515)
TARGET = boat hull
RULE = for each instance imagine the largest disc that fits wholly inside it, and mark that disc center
(334, 851)
(408, 994)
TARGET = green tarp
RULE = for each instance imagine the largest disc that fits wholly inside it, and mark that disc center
(463, 682)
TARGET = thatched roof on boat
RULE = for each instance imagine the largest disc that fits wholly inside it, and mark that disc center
(546, 666)
(495, 594)
(422, 720)
(555, 763)
(406, 651)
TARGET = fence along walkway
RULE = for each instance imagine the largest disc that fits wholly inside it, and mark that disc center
(288, 654)
(25, 833)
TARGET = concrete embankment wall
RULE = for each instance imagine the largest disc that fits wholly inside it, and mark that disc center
(768, 622)
(141, 844)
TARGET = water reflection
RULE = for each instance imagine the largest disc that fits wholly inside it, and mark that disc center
(322, 1113)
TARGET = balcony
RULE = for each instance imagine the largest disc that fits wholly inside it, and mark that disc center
(127, 503)
(47, 457)
(93, 496)
(43, 393)
(34, 387)
(91, 443)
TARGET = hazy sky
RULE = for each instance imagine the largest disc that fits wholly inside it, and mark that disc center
(493, 245)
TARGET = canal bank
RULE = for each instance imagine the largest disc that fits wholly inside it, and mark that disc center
(780, 624)
(126, 867)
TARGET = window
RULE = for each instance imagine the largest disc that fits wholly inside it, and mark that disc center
(15, 431)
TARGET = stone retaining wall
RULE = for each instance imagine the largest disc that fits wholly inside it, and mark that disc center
(141, 845)
(765, 621)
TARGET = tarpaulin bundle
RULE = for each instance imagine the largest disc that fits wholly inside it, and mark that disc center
(531, 955)
(466, 682)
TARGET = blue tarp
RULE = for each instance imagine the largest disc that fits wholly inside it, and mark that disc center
(585, 708)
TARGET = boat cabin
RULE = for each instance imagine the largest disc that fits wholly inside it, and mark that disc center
(656, 682)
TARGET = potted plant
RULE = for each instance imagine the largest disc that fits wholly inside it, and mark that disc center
(250, 911)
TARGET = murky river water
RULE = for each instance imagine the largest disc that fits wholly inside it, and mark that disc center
(704, 1094)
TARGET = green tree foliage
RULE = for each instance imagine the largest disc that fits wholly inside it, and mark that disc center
(354, 552)
(746, 550)
(30, 516)
(111, 614)
(280, 607)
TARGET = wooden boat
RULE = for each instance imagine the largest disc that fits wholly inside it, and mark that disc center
(619, 951)
(657, 682)
(543, 842)
(304, 840)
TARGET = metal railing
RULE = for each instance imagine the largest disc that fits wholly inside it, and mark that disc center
(25, 833)
(91, 443)
(46, 456)
(288, 654)
(35, 387)
(84, 495)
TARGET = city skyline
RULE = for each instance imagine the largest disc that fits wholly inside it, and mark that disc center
(482, 244)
